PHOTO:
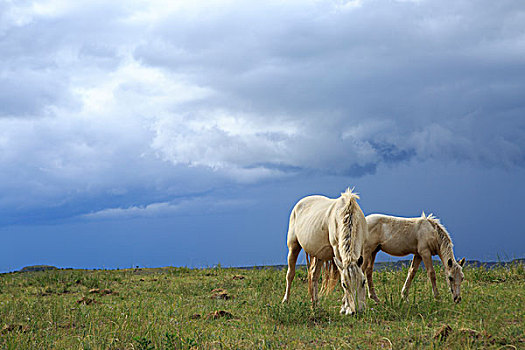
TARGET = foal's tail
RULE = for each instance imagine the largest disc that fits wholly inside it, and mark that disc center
(330, 276)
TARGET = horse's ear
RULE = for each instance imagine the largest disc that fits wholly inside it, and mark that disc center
(461, 262)
(338, 263)
(423, 215)
(360, 261)
(449, 262)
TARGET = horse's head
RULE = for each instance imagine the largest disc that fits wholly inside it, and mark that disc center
(353, 282)
(454, 272)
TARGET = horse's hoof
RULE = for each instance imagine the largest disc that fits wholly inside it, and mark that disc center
(349, 312)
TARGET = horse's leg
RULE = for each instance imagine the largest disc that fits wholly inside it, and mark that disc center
(367, 255)
(344, 306)
(427, 260)
(315, 271)
(411, 274)
(369, 271)
(293, 252)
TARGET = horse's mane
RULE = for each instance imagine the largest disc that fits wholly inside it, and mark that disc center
(348, 220)
(444, 237)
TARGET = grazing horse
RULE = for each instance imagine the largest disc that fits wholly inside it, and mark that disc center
(424, 237)
(330, 231)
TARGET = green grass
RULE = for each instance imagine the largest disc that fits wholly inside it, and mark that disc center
(172, 308)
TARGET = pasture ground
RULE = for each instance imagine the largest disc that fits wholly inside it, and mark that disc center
(222, 308)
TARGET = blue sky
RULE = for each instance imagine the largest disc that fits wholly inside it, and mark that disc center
(159, 133)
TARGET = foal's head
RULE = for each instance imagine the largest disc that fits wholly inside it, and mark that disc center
(453, 268)
(353, 282)
(454, 272)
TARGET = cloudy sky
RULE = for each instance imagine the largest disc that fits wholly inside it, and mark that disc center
(182, 133)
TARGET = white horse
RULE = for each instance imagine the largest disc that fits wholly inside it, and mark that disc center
(329, 230)
(424, 237)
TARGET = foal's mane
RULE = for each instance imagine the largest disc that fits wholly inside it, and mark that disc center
(348, 220)
(445, 242)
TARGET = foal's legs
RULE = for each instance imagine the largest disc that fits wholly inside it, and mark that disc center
(369, 269)
(411, 273)
(427, 260)
(293, 252)
(315, 271)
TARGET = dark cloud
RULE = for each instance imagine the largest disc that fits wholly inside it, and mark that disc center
(427, 68)
(100, 98)
(389, 153)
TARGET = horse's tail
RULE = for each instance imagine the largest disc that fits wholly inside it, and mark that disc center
(330, 277)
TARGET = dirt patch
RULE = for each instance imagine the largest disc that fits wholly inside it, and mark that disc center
(470, 332)
(68, 325)
(475, 335)
(219, 314)
(86, 301)
(220, 293)
(443, 332)
(14, 328)
(108, 292)
(384, 343)
(49, 292)
(317, 344)
(102, 291)
(238, 277)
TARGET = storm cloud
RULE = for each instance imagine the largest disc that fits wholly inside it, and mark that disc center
(107, 100)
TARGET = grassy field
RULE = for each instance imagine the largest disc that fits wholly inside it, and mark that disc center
(180, 308)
